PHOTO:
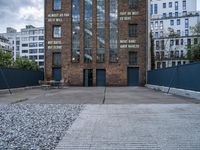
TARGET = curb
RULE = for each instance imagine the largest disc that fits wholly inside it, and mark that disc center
(175, 91)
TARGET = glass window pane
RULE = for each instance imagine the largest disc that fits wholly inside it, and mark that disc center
(57, 5)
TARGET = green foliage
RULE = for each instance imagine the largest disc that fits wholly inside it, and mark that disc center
(5, 59)
(194, 53)
(196, 29)
(25, 63)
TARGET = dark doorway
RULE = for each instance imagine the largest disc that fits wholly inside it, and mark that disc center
(101, 77)
(133, 76)
(88, 77)
(57, 74)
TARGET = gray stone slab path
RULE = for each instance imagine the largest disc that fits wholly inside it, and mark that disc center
(135, 126)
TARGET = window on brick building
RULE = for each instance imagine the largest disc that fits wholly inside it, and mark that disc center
(57, 5)
(132, 29)
(57, 59)
(57, 31)
(133, 58)
(133, 4)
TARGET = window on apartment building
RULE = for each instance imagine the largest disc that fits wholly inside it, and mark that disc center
(41, 38)
(24, 45)
(162, 44)
(184, 5)
(157, 55)
(24, 51)
(158, 65)
(57, 5)
(177, 54)
(184, 13)
(34, 57)
(173, 64)
(41, 50)
(164, 5)
(170, 14)
(156, 25)
(176, 14)
(186, 32)
(163, 64)
(186, 23)
(170, 4)
(172, 54)
(57, 59)
(176, 5)
(161, 34)
(189, 43)
(151, 11)
(171, 22)
(33, 44)
(132, 29)
(155, 8)
(171, 42)
(177, 41)
(195, 40)
(162, 54)
(152, 26)
(133, 4)
(57, 31)
(161, 25)
(41, 56)
(157, 45)
(156, 35)
(41, 44)
(164, 15)
(182, 41)
(178, 21)
(182, 54)
(133, 58)
(178, 32)
(32, 51)
(179, 62)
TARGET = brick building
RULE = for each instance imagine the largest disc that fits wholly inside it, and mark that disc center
(96, 42)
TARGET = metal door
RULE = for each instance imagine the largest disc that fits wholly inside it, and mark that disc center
(57, 74)
(101, 77)
(133, 76)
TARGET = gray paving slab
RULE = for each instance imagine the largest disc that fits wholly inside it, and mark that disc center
(133, 126)
(93, 95)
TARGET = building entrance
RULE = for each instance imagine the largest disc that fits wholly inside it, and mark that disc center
(88, 77)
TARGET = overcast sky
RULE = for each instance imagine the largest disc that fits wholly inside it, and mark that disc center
(18, 13)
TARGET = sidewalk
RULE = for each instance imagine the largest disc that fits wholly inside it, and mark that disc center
(150, 127)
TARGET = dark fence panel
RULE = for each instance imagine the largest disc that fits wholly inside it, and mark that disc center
(182, 77)
(19, 78)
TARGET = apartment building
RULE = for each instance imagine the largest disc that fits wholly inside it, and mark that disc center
(4, 44)
(171, 22)
(29, 42)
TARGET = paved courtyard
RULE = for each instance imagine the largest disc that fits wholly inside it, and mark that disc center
(135, 127)
(93, 95)
(116, 117)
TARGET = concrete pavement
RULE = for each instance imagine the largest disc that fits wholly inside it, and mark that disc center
(141, 127)
(93, 95)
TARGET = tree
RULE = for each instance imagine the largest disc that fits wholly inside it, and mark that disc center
(194, 50)
(25, 63)
(152, 52)
(5, 59)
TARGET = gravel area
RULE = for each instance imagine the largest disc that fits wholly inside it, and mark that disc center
(35, 127)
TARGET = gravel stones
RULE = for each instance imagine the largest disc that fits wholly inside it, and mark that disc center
(35, 127)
